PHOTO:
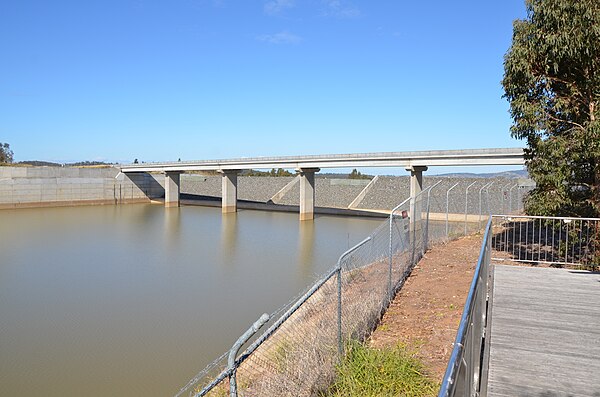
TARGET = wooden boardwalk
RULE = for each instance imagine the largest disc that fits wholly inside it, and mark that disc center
(545, 333)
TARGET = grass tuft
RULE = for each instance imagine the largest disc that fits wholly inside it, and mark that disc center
(369, 372)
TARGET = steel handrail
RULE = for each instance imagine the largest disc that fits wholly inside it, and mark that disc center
(564, 218)
(450, 377)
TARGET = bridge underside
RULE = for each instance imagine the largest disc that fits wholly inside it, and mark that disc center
(307, 166)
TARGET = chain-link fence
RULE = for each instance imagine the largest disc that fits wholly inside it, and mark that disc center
(464, 205)
(303, 341)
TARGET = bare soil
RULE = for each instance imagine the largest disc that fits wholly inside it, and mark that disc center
(425, 314)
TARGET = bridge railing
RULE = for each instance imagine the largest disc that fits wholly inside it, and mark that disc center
(297, 353)
(547, 240)
(532, 239)
(466, 374)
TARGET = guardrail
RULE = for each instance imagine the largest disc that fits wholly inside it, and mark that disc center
(466, 374)
(547, 240)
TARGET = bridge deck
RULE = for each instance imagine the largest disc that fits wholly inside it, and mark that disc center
(510, 156)
(545, 333)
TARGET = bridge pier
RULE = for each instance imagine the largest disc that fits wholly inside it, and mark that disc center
(229, 191)
(416, 206)
(307, 193)
(416, 185)
(172, 184)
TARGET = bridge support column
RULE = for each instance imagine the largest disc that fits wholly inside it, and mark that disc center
(416, 209)
(172, 189)
(229, 191)
(307, 193)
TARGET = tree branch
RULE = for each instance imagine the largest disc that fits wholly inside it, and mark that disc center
(564, 121)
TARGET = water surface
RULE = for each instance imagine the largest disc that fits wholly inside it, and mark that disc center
(134, 300)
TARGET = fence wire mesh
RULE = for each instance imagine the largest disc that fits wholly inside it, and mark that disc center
(297, 353)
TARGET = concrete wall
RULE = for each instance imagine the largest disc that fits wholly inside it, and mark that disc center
(57, 186)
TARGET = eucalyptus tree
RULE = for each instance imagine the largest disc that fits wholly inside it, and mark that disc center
(6, 155)
(552, 82)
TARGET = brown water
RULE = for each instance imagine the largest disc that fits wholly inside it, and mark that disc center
(134, 300)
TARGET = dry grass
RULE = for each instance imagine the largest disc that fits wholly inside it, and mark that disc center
(300, 358)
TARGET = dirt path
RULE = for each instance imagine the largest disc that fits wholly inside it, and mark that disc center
(425, 315)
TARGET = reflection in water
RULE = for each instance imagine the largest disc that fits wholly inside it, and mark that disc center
(229, 234)
(134, 300)
(172, 225)
(306, 248)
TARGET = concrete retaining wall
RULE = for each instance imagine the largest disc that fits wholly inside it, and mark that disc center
(59, 186)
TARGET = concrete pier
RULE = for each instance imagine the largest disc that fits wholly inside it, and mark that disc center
(416, 187)
(307, 193)
(172, 189)
(416, 206)
(229, 191)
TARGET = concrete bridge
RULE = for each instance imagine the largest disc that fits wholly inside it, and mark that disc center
(414, 162)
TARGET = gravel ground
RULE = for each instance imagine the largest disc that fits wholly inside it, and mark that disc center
(252, 188)
(425, 319)
(337, 193)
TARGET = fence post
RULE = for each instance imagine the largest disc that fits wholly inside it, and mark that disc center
(390, 254)
(236, 347)
(426, 234)
(447, 206)
(339, 309)
(502, 197)
(426, 228)
(339, 292)
(414, 230)
(487, 195)
(480, 190)
(466, 204)
(510, 198)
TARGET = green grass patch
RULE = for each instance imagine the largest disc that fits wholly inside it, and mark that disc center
(369, 372)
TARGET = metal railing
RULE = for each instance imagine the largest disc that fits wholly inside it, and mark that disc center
(298, 352)
(532, 239)
(547, 240)
(466, 374)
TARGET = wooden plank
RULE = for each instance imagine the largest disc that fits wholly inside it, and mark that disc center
(545, 333)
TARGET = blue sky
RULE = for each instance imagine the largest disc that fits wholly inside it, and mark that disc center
(115, 80)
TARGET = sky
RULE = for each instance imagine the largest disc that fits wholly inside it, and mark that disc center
(115, 80)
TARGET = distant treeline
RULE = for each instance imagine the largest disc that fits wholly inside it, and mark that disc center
(37, 163)
(273, 172)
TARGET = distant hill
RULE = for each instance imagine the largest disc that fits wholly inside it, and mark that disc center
(505, 174)
(38, 163)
